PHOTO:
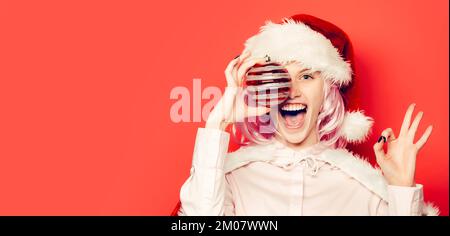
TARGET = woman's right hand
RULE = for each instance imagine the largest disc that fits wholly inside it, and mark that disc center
(231, 107)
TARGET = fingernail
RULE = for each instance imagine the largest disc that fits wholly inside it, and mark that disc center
(381, 138)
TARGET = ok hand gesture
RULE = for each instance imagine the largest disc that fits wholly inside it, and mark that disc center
(399, 162)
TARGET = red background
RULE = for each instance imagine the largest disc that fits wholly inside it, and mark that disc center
(84, 92)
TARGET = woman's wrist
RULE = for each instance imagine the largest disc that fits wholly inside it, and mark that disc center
(217, 118)
(402, 183)
(216, 124)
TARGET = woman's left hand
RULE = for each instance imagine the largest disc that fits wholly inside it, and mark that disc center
(399, 162)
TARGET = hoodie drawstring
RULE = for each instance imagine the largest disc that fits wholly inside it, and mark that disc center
(306, 161)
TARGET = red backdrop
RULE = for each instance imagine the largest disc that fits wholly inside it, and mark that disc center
(84, 92)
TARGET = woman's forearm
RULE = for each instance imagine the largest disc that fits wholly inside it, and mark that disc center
(203, 193)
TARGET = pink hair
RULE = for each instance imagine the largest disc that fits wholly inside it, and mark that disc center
(329, 122)
(331, 117)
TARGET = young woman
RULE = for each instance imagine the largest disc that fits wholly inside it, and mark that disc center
(302, 167)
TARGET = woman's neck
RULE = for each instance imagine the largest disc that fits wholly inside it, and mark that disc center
(310, 140)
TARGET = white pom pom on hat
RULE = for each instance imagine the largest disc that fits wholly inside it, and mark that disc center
(356, 126)
(320, 46)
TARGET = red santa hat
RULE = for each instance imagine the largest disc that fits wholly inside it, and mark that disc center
(320, 46)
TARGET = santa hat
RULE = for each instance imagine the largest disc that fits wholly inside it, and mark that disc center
(320, 46)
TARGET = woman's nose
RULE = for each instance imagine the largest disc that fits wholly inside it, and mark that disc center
(295, 90)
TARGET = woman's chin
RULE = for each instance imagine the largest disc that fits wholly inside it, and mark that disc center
(294, 135)
(294, 140)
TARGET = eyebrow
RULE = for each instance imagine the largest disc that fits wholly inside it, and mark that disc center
(306, 69)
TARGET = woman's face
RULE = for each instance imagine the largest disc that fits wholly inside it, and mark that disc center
(297, 117)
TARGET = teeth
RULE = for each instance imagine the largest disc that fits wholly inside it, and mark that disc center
(293, 107)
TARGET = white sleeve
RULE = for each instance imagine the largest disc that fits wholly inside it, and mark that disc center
(204, 191)
(405, 201)
(402, 201)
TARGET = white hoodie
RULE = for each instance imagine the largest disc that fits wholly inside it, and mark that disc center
(273, 179)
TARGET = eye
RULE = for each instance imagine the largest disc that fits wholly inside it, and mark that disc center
(306, 77)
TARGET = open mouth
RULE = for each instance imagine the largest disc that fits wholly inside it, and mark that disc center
(293, 114)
